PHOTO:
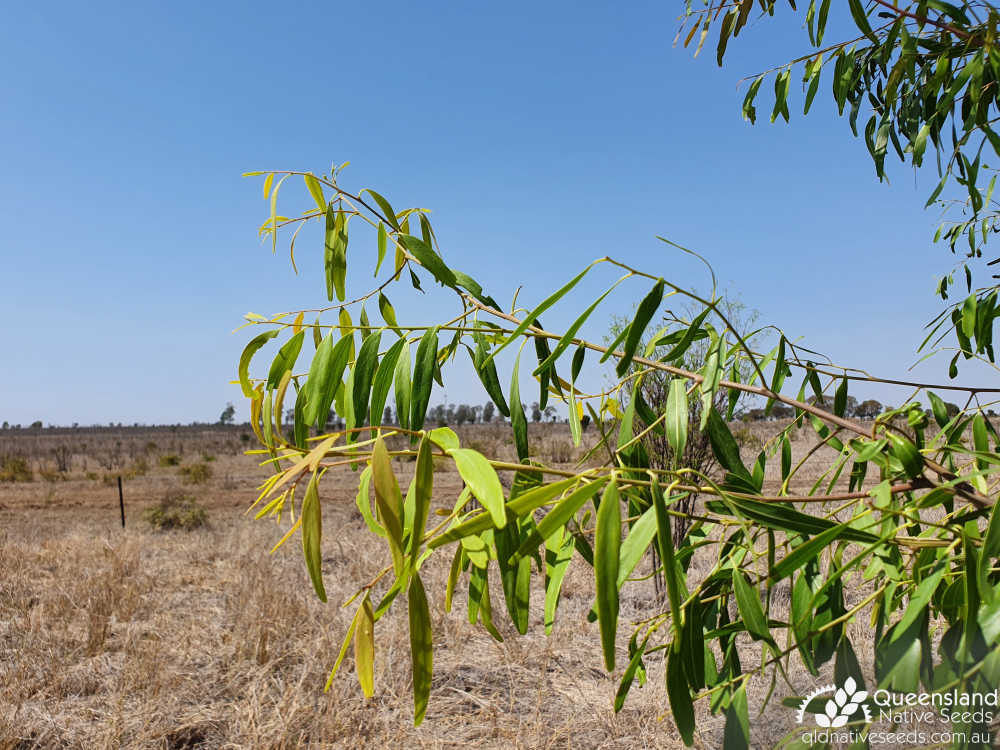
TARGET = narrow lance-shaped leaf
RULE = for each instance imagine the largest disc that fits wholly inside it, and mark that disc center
(487, 371)
(545, 305)
(364, 648)
(677, 418)
(647, 308)
(518, 422)
(383, 381)
(423, 479)
(364, 373)
(680, 697)
(750, 607)
(316, 191)
(329, 384)
(429, 259)
(255, 343)
(388, 501)
(284, 361)
(423, 378)
(402, 381)
(607, 543)
(335, 253)
(421, 648)
(482, 479)
(312, 535)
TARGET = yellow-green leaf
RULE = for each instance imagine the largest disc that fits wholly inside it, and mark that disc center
(364, 648)
(482, 479)
(421, 648)
(607, 544)
(312, 535)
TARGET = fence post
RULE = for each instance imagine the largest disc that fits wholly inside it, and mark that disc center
(121, 499)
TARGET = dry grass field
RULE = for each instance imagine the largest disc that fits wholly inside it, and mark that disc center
(145, 638)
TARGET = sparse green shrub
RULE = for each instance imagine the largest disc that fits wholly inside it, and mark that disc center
(15, 469)
(170, 459)
(207, 457)
(196, 473)
(176, 511)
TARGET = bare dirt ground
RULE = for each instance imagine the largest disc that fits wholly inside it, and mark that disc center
(137, 638)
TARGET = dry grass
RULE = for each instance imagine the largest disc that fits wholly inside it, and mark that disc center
(181, 639)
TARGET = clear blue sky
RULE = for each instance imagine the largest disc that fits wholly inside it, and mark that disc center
(542, 135)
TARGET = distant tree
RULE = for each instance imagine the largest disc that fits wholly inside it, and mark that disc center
(387, 415)
(550, 413)
(868, 409)
(6, 425)
(584, 422)
(536, 412)
(488, 412)
(36, 425)
(227, 414)
(463, 414)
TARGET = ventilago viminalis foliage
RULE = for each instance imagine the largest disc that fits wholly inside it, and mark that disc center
(914, 527)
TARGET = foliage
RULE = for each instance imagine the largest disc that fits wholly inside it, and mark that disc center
(918, 74)
(227, 415)
(198, 473)
(15, 469)
(176, 511)
(915, 529)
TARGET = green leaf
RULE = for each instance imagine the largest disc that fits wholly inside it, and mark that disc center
(569, 335)
(750, 608)
(335, 253)
(423, 378)
(312, 534)
(647, 308)
(736, 735)
(316, 191)
(388, 501)
(387, 213)
(244, 368)
(607, 543)
(938, 408)
(680, 697)
(919, 598)
(724, 445)
(558, 553)
(387, 311)
(364, 648)
(840, 398)
(482, 479)
(402, 381)
(487, 371)
(423, 481)
(518, 423)
(523, 505)
(530, 318)
(421, 648)
(672, 571)
(383, 381)
(364, 374)
(692, 333)
(383, 243)
(556, 518)
(429, 259)
(677, 417)
(907, 454)
(805, 552)
(284, 361)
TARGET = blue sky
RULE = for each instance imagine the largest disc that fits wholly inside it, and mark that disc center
(542, 135)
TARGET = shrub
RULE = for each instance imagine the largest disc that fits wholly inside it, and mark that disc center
(196, 473)
(15, 469)
(176, 511)
(170, 459)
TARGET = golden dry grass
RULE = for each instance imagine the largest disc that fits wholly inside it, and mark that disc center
(140, 639)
